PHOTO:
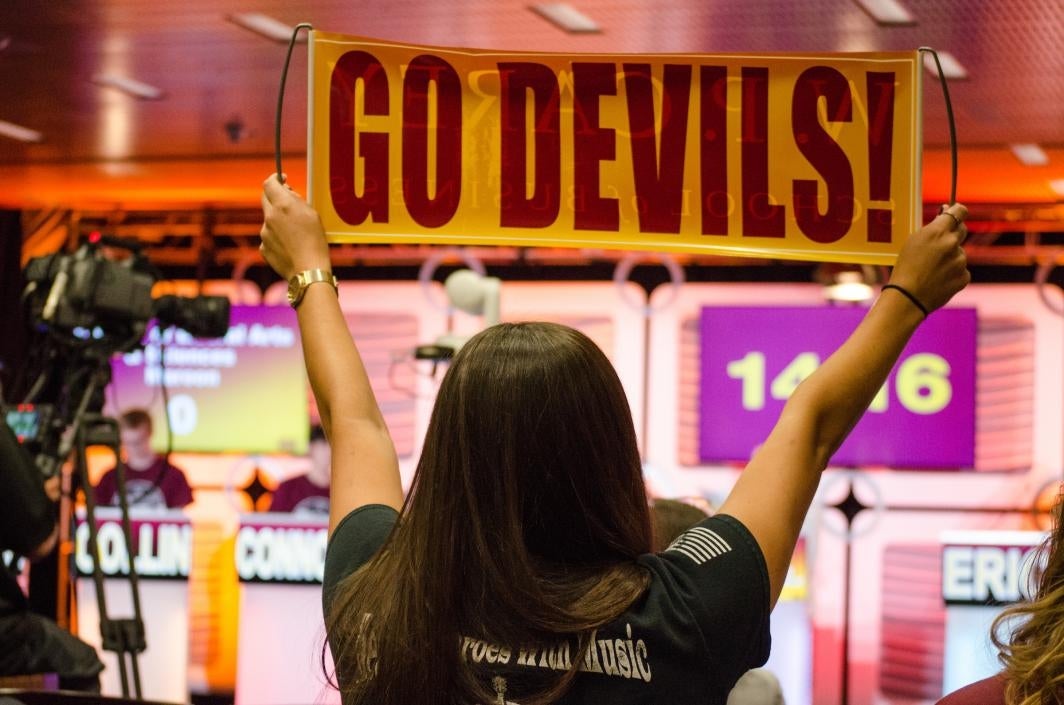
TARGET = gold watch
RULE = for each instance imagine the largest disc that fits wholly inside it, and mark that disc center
(297, 285)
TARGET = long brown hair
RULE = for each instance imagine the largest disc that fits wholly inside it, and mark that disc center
(1032, 648)
(521, 528)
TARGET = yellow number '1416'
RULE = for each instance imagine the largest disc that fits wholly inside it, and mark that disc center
(921, 382)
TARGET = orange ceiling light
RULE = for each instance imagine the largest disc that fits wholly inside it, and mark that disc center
(991, 175)
(177, 184)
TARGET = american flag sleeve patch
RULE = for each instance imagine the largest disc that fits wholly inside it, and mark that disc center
(700, 545)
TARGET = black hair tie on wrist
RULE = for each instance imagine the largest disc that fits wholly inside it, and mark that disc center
(909, 295)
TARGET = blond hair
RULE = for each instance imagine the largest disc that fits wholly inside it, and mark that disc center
(1032, 649)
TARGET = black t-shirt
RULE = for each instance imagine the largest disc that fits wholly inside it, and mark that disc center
(701, 624)
(26, 514)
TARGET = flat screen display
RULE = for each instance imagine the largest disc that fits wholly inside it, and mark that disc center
(246, 392)
(754, 357)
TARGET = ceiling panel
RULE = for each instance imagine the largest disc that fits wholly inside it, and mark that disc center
(215, 73)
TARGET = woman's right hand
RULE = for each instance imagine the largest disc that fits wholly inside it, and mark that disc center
(293, 239)
(932, 265)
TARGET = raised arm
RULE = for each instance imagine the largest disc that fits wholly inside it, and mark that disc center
(365, 469)
(773, 493)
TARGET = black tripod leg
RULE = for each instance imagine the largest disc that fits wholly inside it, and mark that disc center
(132, 629)
(121, 654)
(107, 630)
(135, 667)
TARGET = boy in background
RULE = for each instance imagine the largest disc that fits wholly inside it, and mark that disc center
(151, 481)
(308, 493)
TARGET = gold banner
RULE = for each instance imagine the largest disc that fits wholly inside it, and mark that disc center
(805, 156)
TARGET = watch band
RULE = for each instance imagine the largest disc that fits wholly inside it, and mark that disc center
(298, 284)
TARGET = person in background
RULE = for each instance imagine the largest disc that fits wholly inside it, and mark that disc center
(672, 517)
(151, 481)
(308, 493)
(1029, 637)
(30, 643)
(520, 566)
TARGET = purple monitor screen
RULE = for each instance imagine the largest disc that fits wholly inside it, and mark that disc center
(754, 357)
(246, 392)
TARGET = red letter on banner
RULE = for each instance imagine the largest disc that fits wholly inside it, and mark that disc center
(541, 210)
(716, 206)
(823, 153)
(591, 145)
(658, 182)
(373, 146)
(432, 212)
(760, 219)
(880, 153)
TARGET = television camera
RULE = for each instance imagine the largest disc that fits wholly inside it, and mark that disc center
(88, 291)
(87, 306)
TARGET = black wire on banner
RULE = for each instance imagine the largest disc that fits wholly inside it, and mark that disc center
(280, 97)
(952, 125)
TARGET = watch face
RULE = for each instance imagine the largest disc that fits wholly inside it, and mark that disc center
(297, 285)
(294, 287)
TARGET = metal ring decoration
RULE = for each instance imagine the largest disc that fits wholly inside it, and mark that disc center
(624, 269)
(1041, 280)
(1038, 513)
(956, 220)
(429, 266)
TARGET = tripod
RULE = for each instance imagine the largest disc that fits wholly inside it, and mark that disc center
(124, 637)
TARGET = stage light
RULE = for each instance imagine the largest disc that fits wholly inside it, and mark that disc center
(566, 17)
(475, 294)
(951, 67)
(887, 12)
(129, 86)
(1030, 154)
(471, 293)
(848, 283)
(265, 26)
(20, 133)
(850, 287)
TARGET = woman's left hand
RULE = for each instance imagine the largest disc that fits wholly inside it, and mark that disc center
(293, 239)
